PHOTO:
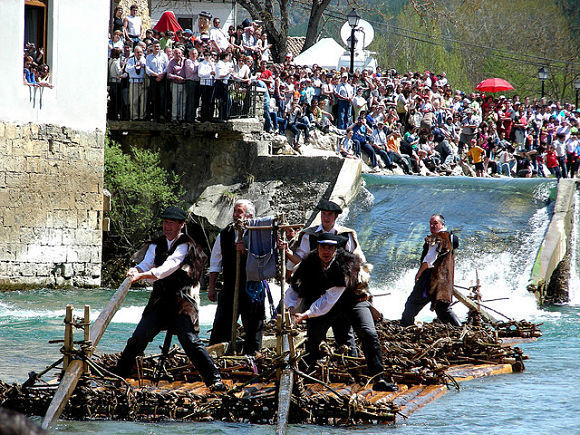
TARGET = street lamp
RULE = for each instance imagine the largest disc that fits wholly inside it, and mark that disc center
(542, 75)
(576, 86)
(353, 19)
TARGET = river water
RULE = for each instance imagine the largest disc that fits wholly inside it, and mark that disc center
(500, 224)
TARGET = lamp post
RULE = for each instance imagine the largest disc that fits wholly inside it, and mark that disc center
(542, 75)
(576, 86)
(353, 19)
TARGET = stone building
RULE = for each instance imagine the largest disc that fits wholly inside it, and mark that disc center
(51, 143)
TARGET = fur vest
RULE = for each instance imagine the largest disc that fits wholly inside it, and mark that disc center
(311, 279)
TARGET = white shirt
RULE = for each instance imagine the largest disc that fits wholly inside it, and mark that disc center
(173, 262)
(223, 70)
(215, 261)
(130, 68)
(134, 26)
(432, 253)
(320, 306)
(204, 71)
(157, 64)
(219, 37)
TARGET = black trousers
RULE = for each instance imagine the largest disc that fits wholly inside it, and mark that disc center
(253, 323)
(207, 102)
(360, 317)
(191, 99)
(150, 325)
(419, 298)
(222, 95)
(157, 98)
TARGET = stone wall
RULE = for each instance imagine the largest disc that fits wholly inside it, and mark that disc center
(51, 200)
(143, 10)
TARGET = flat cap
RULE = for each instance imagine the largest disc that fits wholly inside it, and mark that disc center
(174, 213)
(332, 239)
(326, 205)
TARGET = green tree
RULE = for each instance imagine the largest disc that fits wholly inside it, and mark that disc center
(140, 190)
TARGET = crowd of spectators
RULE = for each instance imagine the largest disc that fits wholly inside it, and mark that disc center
(414, 121)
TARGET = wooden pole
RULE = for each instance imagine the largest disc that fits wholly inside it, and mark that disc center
(75, 369)
(472, 305)
(87, 331)
(287, 376)
(68, 336)
(235, 302)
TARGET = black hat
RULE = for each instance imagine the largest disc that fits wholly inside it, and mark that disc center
(326, 205)
(174, 213)
(332, 239)
(205, 14)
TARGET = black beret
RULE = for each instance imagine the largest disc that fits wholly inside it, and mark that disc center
(326, 205)
(332, 239)
(174, 213)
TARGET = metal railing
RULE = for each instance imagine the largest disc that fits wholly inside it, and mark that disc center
(165, 101)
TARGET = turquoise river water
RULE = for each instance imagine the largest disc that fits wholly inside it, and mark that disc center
(500, 224)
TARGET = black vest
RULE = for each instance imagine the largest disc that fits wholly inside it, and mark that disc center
(167, 294)
(228, 246)
(311, 280)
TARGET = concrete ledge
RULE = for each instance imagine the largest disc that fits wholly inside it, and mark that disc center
(556, 241)
(346, 186)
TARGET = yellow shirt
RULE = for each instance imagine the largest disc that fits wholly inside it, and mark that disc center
(476, 154)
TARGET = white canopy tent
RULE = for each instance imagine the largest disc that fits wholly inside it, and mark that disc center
(325, 53)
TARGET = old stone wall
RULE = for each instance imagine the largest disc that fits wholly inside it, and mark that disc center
(51, 201)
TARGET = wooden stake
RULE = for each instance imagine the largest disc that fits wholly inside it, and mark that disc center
(68, 336)
(87, 331)
(75, 368)
(234, 336)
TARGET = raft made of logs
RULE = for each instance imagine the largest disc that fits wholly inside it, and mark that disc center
(424, 361)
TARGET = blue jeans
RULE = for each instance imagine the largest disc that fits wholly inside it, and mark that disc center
(364, 146)
(344, 107)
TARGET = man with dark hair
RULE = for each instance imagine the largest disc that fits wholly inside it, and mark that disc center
(156, 66)
(434, 280)
(308, 242)
(327, 282)
(174, 263)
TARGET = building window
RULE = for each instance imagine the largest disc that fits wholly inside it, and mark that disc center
(35, 23)
(36, 42)
(185, 22)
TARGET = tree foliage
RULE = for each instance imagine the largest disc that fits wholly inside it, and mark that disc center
(476, 39)
(140, 190)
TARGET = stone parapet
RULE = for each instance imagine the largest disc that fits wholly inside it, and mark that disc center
(51, 196)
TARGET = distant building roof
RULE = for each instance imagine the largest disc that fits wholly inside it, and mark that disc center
(295, 44)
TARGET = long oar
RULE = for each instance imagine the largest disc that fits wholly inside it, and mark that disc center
(287, 376)
(76, 367)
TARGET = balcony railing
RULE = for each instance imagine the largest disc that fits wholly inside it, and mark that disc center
(165, 101)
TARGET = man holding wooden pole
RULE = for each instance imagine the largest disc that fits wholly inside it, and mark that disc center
(174, 262)
(229, 256)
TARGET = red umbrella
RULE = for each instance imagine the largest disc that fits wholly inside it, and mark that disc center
(167, 22)
(493, 85)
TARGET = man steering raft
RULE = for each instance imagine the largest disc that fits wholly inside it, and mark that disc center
(327, 281)
(435, 279)
(174, 262)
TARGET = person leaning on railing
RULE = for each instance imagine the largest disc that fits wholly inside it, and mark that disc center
(223, 72)
(206, 72)
(176, 75)
(116, 73)
(135, 67)
(156, 63)
(191, 85)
